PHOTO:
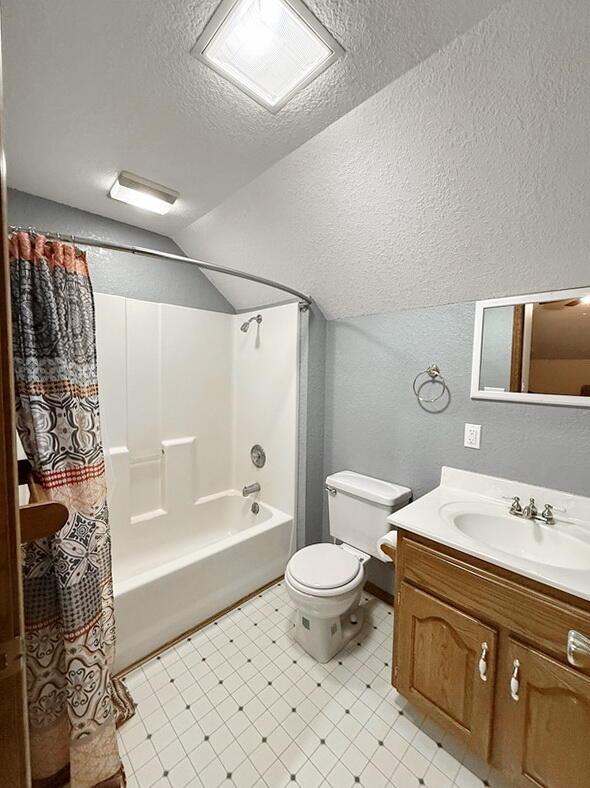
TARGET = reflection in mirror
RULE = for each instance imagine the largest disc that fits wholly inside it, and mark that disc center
(540, 347)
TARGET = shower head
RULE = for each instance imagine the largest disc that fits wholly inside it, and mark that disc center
(245, 326)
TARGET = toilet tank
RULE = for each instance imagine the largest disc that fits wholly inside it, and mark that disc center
(359, 506)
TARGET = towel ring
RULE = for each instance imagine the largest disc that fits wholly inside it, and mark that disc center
(433, 376)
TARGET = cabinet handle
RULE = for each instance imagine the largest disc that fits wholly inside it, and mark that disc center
(515, 681)
(578, 649)
(483, 662)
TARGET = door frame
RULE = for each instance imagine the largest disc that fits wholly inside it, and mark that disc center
(14, 737)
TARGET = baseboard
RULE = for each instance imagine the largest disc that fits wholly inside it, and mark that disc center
(385, 596)
(138, 663)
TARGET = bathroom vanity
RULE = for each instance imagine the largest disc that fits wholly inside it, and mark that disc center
(485, 648)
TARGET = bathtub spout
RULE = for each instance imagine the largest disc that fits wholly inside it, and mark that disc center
(250, 488)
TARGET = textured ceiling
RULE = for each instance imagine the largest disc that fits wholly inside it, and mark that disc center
(468, 177)
(93, 87)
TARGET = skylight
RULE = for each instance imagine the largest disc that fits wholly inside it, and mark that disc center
(270, 49)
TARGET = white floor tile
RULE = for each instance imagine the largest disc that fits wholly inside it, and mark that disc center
(415, 761)
(163, 737)
(141, 754)
(403, 777)
(293, 757)
(434, 778)
(149, 773)
(262, 757)
(279, 740)
(385, 761)
(340, 777)
(245, 776)
(182, 774)
(172, 754)
(131, 737)
(324, 759)
(213, 774)
(202, 756)
(309, 776)
(371, 777)
(232, 756)
(277, 776)
(221, 738)
(239, 703)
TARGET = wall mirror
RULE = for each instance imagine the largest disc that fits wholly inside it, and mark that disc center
(533, 348)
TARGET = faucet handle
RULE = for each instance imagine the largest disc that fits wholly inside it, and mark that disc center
(547, 514)
(516, 508)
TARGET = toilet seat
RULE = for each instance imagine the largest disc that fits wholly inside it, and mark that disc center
(324, 570)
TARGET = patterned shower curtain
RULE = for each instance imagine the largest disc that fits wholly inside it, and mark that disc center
(68, 593)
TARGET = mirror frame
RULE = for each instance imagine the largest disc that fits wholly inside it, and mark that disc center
(516, 396)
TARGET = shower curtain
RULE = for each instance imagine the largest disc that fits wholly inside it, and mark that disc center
(70, 635)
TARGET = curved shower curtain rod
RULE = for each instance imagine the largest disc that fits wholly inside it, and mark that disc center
(220, 269)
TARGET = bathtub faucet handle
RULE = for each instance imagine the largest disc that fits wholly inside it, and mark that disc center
(249, 489)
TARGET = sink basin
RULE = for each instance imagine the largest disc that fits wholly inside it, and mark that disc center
(549, 545)
(469, 512)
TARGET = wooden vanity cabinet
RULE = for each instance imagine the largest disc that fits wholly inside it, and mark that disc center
(482, 651)
(440, 653)
(544, 736)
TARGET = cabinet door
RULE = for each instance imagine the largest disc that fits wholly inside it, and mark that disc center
(543, 721)
(445, 664)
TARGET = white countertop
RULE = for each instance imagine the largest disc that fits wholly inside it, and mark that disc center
(466, 491)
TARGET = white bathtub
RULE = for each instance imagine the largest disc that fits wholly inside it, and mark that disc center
(165, 586)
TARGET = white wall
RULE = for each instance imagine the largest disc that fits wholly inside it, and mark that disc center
(466, 178)
(265, 403)
(184, 394)
(165, 376)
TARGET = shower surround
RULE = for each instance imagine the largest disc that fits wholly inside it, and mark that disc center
(184, 396)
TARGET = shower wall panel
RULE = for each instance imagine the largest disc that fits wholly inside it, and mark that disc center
(144, 408)
(196, 375)
(184, 395)
(165, 375)
(266, 372)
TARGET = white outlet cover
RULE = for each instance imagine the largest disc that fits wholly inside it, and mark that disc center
(472, 437)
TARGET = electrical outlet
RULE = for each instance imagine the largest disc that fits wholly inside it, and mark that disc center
(472, 438)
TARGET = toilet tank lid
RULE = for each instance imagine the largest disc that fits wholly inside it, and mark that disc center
(370, 489)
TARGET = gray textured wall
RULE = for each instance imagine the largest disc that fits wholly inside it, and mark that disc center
(374, 424)
(115, 272)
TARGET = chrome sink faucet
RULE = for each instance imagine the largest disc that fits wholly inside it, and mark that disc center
(249, 489)
(531, 512)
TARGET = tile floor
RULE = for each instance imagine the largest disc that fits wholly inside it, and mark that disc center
(241, 704)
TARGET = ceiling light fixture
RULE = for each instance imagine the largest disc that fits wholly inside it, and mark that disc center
(270, 49)
(142, 193)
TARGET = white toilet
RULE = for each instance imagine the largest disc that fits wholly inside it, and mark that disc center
(325, 581)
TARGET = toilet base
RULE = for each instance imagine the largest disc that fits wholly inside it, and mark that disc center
(323, 638)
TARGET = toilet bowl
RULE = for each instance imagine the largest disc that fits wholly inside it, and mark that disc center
(325, 581)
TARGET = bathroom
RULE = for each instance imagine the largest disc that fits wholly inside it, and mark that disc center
(295, 373)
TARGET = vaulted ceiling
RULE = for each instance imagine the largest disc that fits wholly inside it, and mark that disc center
(468, 177)
(96, 87)
(443, 159)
